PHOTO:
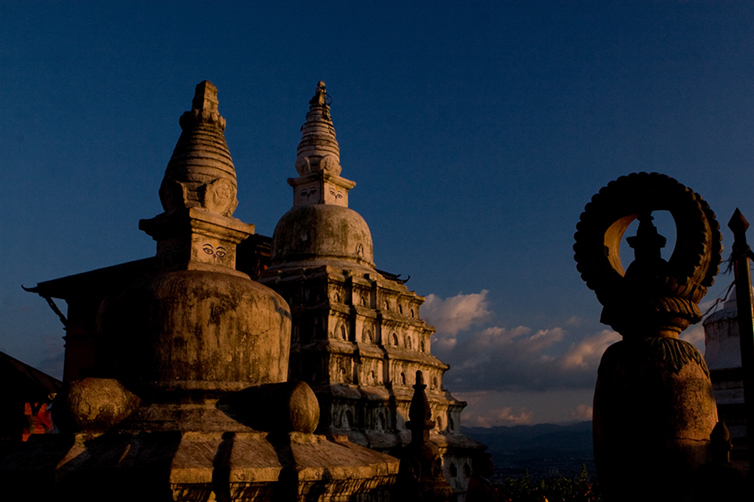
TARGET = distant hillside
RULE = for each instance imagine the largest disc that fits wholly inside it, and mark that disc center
(544, 449)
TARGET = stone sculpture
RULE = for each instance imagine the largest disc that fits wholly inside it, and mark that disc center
(420, 476)
(653, 403)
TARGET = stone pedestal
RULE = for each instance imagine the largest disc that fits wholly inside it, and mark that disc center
(653, 415)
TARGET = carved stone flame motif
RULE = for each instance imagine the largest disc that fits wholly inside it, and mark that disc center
(653, 297)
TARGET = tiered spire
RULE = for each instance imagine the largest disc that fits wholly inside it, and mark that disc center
(198, 194)
(318, 149)
(318, 161)
(200, 172)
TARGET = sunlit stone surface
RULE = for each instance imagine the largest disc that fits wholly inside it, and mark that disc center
(177, 366)
(358, 337)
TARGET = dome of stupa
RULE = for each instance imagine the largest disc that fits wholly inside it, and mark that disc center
(322, 232)
(320, 228)
(196, 324)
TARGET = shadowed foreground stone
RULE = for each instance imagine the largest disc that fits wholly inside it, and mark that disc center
(653, 403)
(92, 404)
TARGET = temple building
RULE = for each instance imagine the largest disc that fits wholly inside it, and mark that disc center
(358, 337)
(243, 367)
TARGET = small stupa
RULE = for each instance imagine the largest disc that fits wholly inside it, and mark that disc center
(181, 390)
(722, 352)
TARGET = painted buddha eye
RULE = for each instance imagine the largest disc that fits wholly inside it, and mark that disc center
(208, 249)
(220, 252)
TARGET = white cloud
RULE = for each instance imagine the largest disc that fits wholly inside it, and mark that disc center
(574, 321)
(522, 358)
(499, 416)
(587, 352)
(489, 360)
(582, 412)
(456, 313)
(489, 408)
(695, 336)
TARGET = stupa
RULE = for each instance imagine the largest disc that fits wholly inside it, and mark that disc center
(358, 337)
(722, 352)
(177, 374)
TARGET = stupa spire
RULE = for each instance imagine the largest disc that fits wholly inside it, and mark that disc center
(201, 172)
(198, 193)
(318, 149)
(318, 160)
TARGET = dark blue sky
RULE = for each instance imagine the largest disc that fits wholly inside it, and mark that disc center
(476, 133)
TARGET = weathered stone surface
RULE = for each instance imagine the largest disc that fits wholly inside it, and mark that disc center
(653, 403)
(322, 233)
(200, 172)
(197, 239)
(318, 150)
(197, 465)
(93, 404)
(287, 407)
(195, 331)
(653, 414)
(358, 337)
(185, 336)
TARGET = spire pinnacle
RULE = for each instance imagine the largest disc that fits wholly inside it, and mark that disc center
(200, 172)
(198, 193)
(205, 97)
(318, 149)
(203, 109)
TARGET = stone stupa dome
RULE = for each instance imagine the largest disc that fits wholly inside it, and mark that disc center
(196, 325)
(320, 232)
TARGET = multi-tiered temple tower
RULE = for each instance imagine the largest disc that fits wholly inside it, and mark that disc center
(358, 338)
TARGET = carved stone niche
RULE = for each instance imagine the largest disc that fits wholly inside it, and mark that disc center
(653, 403)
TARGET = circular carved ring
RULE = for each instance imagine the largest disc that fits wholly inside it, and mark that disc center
(697, 254)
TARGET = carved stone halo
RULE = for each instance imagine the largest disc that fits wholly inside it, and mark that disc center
(690, 269)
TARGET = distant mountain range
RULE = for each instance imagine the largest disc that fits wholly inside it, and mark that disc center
(544, 450)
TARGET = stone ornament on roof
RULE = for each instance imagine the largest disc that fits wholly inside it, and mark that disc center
(201, 172)
(318, 149)
(420, 475)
